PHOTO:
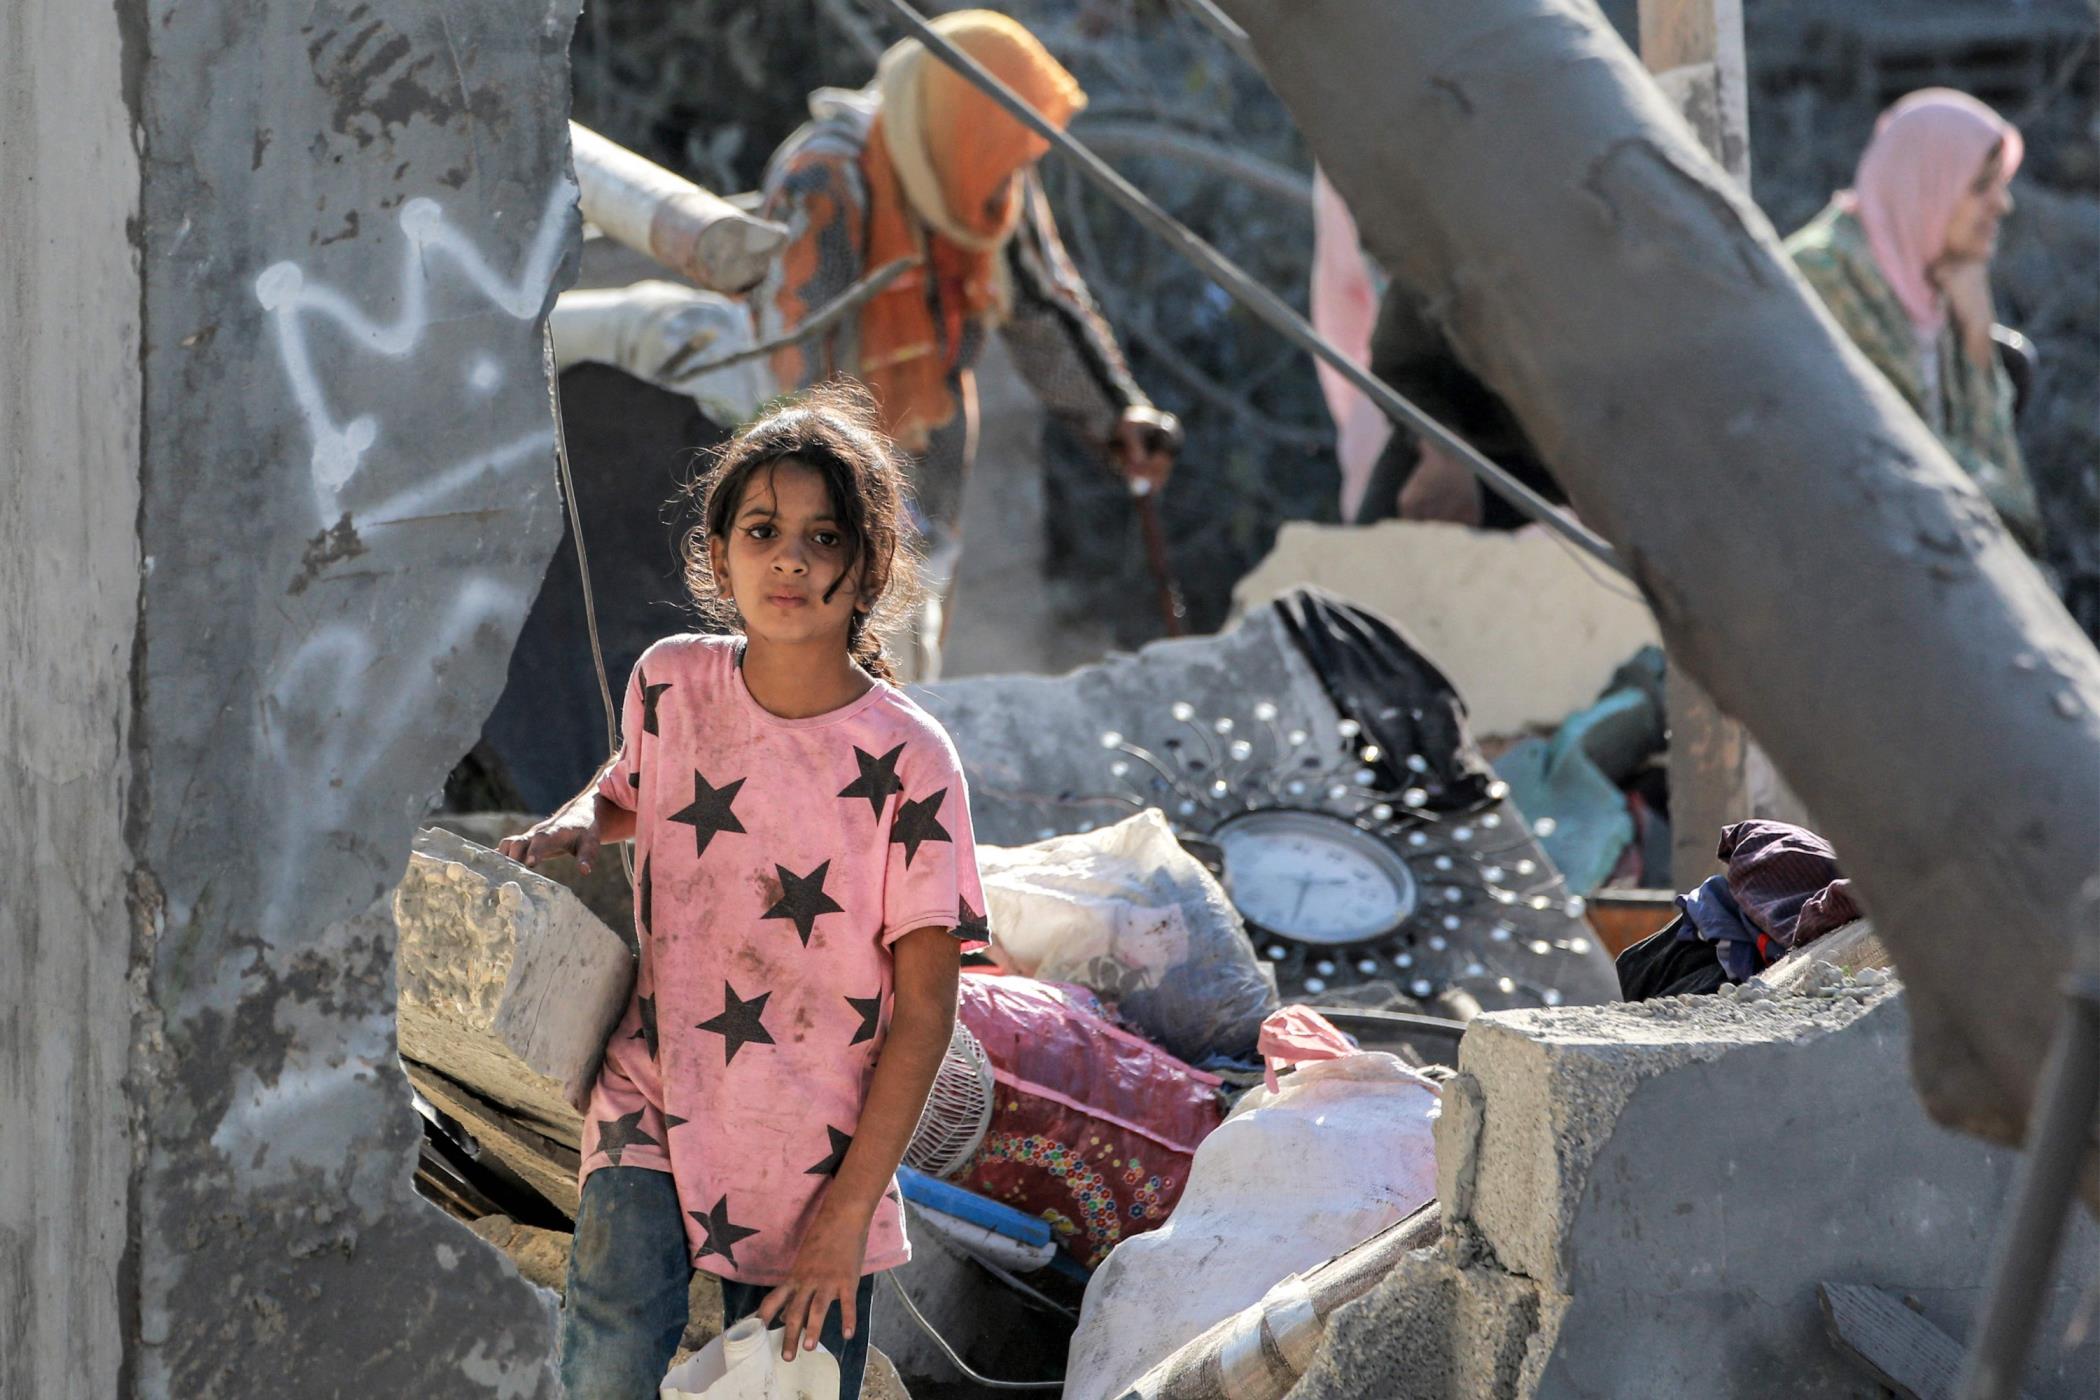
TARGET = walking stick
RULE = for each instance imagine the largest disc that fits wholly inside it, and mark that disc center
(1162, 435)
(1173, 611)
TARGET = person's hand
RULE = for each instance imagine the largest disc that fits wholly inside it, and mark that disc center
(1441, 488)
(573, 831)
(1967, 287)
(826, 1271)
(1143, 446)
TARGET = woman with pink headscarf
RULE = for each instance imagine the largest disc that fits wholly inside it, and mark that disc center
(1902, 260)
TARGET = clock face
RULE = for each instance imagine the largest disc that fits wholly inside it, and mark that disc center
(1314, 877)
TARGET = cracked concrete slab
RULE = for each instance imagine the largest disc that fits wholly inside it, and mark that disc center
(1642, 1199)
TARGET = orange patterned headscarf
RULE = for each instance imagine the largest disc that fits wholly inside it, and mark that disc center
(941, 165)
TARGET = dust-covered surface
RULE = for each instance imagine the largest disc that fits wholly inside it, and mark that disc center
(1641, 1200)
(69, 586)
(353, 221)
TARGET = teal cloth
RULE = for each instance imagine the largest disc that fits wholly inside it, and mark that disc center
(1567, 779)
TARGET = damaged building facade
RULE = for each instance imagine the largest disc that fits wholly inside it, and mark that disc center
(280, 481)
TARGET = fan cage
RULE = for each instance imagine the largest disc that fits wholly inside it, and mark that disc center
(958, 1111)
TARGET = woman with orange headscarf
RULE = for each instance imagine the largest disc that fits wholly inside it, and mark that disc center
(921, 165)
(1902, 260)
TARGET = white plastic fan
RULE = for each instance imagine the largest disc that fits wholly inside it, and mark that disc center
(958, 1111)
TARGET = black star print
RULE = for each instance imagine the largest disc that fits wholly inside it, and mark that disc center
(971, 926)
(647, 1032)
(651, 694)
(917, 823)
(722, 1236)
(802, 899)
(672, 1120)
(648, 896)
(739, 1023)
(616, 1135)
(839, 1143)
(709, 812)
(870, 1009)
(877, 780)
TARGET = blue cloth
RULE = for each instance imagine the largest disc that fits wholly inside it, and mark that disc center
(625, 1306)
(1711, 913)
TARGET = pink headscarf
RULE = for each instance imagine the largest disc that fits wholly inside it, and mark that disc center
(1926, 152)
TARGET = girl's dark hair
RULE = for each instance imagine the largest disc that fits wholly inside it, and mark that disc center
(831, 429)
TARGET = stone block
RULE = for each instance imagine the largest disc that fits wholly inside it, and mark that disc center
(507, 984)
(605, 890)
(1675, 1178)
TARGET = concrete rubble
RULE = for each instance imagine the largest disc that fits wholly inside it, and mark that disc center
(1641, 1199)
(505, 980)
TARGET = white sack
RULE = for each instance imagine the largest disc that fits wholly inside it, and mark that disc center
(1290, 1180)
(1127, 913)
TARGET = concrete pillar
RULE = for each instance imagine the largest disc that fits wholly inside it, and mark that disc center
(1718, 774)
(279, 487)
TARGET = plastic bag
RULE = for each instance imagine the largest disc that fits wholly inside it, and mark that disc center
(1092, 1128)
(1127, 913)
(1340, 1150)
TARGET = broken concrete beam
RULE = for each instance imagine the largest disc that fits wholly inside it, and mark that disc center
(1657, 1190)
(507, 983)
(691, 231)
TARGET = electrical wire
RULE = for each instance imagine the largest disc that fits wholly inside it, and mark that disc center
(956, 1361)
(583, 567)
(1258, 299)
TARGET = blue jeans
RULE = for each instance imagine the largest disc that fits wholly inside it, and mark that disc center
(626, 1299)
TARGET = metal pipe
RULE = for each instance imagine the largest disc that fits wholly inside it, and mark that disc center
(690, 230)
(2058, 1145)
(1257, 298)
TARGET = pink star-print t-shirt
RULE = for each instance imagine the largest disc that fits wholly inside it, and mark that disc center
(776, 860)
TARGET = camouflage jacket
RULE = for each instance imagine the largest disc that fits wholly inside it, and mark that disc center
(1972, 412)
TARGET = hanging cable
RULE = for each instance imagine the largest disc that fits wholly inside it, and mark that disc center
(956, 1361)
(1251, 294)
(583, 566)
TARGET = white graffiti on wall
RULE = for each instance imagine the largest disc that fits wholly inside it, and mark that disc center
(335, 706)
(293, 301)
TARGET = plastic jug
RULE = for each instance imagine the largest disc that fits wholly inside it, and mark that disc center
(744, 1364)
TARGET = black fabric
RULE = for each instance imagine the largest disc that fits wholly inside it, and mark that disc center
(1375, 676)
(632, 447)
(1667, 965)
(1410, 352)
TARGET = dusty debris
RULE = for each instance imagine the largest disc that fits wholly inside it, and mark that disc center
(1642, 1200)
(506, 981)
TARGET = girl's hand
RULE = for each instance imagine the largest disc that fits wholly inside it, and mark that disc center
(574, 830)
(827, 1271)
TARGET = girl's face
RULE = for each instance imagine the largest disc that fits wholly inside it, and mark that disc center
(1972, 233)
(784, 551)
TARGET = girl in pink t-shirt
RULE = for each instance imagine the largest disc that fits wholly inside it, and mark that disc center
(805, 884)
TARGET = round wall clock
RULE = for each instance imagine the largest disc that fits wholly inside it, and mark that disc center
(1314, 877)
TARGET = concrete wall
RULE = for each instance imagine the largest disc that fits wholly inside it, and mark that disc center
(69, 418)
(278, 501)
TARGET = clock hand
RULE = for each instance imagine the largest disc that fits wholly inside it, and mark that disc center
(1304, 885)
